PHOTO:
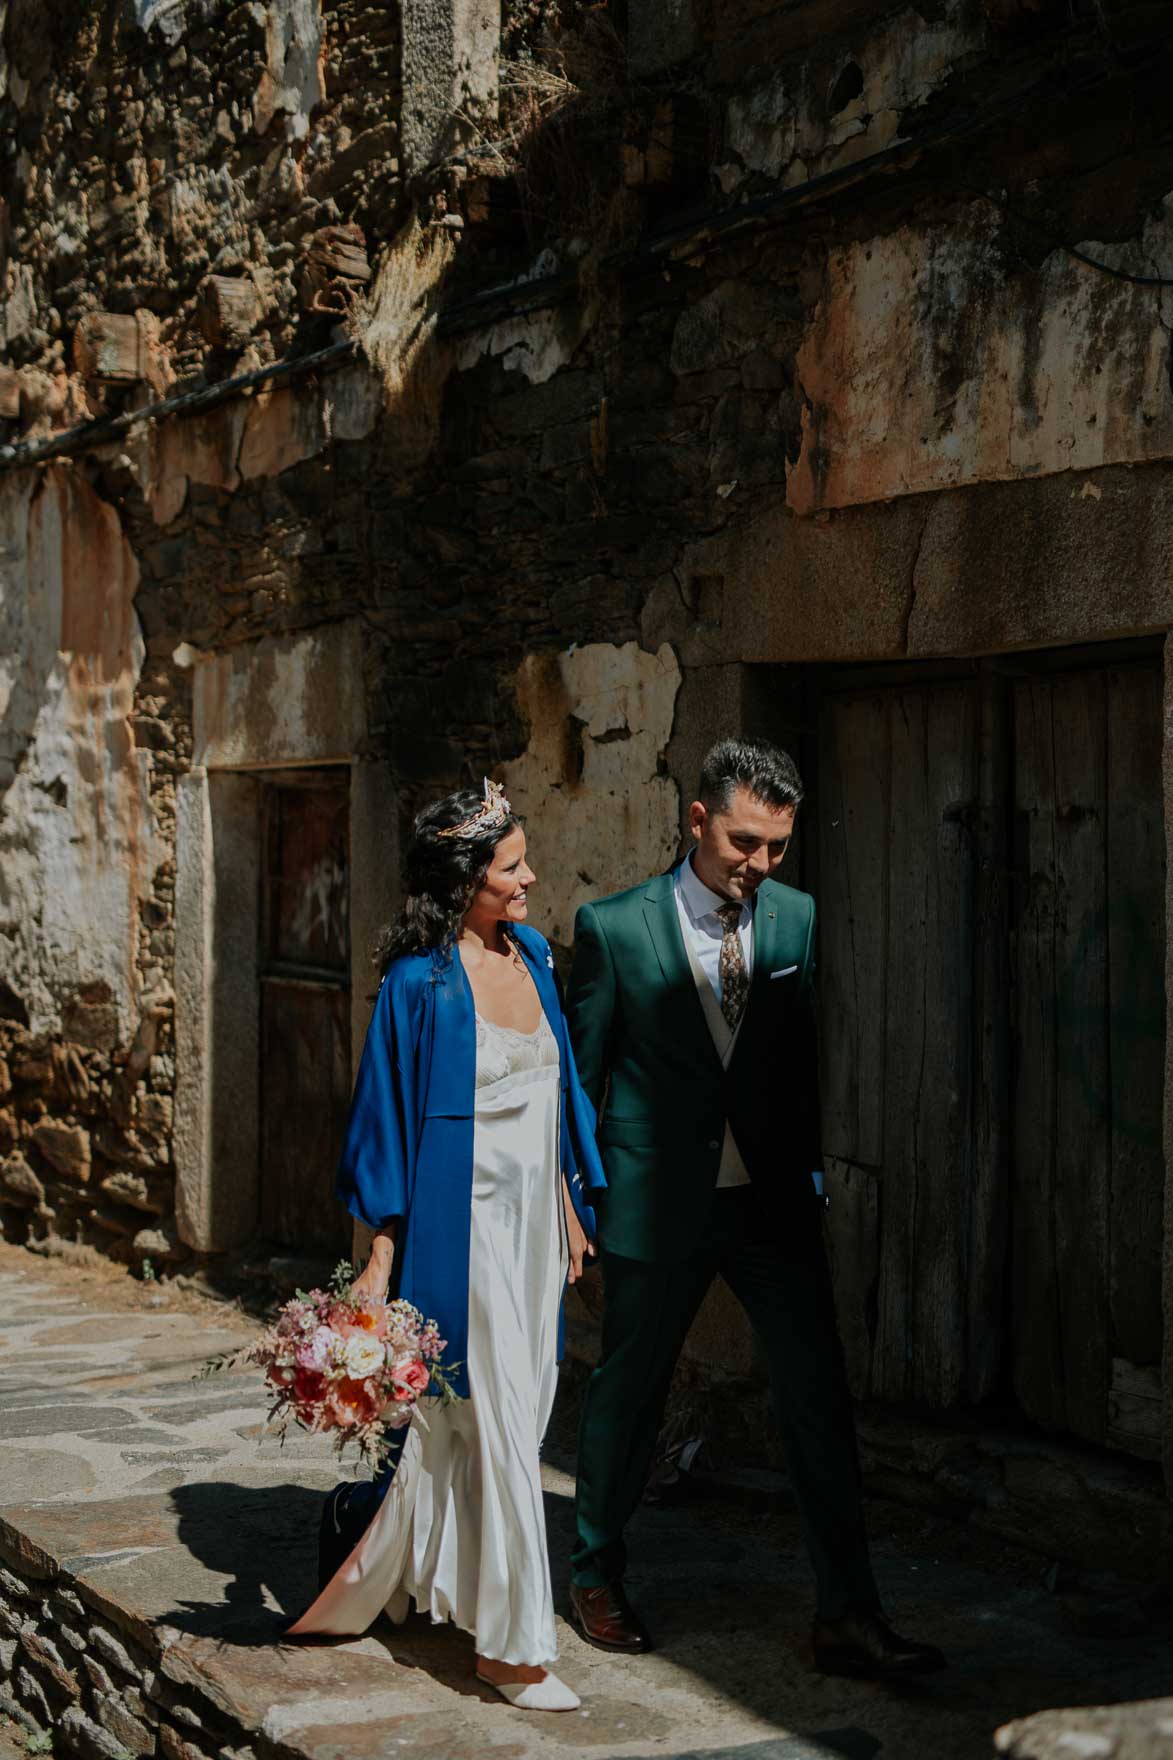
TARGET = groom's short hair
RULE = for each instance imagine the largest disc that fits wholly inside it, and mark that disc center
(769, 773)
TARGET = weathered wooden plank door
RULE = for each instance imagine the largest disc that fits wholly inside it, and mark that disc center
(305, 1007)
(990, 872)
(1089, 1018)
(912, 1052)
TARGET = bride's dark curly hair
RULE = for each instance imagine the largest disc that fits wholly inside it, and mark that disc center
(443, 876)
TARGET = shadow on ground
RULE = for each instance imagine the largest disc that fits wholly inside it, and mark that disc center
(263, 1542)
(726, 1592)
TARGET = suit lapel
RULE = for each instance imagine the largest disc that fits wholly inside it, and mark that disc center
(765, 958)
(663, 921)
(765, 941)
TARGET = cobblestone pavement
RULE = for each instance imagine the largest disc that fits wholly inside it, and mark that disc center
(155, 1542)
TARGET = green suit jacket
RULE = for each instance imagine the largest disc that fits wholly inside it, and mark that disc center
(640, 1037)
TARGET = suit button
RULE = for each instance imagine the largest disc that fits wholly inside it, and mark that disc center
(714, 1144)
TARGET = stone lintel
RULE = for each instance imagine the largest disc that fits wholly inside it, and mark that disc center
(283, 700)
(1077, 558)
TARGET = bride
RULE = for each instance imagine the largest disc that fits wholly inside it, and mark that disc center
(470, 1151)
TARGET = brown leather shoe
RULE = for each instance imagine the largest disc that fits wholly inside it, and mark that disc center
(865, 1644)
(606, 1619)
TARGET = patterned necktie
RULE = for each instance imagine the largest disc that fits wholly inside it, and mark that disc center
(733, 975)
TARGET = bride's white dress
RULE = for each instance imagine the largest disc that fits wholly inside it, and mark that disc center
(462, 1528)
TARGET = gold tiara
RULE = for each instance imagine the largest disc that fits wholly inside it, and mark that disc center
(493, 811)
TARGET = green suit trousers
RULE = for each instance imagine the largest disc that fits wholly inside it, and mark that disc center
(781, 1279)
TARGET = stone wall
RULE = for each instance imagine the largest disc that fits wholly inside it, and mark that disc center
(185, 199)
(183, 191)
(68, 1670)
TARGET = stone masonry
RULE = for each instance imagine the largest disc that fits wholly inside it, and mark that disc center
(146, 240)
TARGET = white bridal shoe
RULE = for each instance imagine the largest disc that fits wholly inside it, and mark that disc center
(550, 1694)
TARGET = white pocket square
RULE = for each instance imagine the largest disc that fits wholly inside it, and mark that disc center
(784, 973)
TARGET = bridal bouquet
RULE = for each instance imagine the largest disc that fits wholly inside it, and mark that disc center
(355, 1369)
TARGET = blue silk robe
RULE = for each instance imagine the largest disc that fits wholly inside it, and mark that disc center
(409, 1139)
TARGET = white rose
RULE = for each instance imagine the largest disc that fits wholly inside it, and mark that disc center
(362, 1357)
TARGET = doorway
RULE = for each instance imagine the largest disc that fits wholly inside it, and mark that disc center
(304, 978)
(988, 861)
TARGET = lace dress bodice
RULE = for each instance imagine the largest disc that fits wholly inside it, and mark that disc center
(504, 1051)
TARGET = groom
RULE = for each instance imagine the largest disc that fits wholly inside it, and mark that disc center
(691, 1006)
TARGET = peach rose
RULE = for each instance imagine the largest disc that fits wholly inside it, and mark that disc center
(352, 1402)
(410, 1380)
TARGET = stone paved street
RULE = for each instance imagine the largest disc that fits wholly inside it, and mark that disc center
(162, 1542)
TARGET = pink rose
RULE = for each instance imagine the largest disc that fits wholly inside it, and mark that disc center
(314, 1352)
(410, 1379)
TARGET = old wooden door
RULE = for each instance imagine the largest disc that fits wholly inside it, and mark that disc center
(911, 957)
(305, 1007)
(989, 868)
(1089, 1013)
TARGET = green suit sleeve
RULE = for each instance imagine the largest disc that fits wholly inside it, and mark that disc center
(590, 1002)
(806, 1074)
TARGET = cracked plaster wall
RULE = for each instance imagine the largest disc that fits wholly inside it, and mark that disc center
(252, 437)
(535, 346)
(848, 99)
(601, 812)
(86, 1063)
(934, 361)
(77, 832)
(281, 701)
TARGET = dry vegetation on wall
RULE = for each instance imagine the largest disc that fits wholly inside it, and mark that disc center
(567, 106)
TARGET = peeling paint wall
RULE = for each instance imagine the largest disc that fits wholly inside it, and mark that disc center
(601, 814)
(78, 840)
(847, 99)
(935, 360)
(86, 1064)
(538, 345)
(296, 700)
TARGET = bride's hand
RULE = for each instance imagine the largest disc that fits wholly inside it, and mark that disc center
(576, 1239)
(372, 1282)
(370, 1286)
